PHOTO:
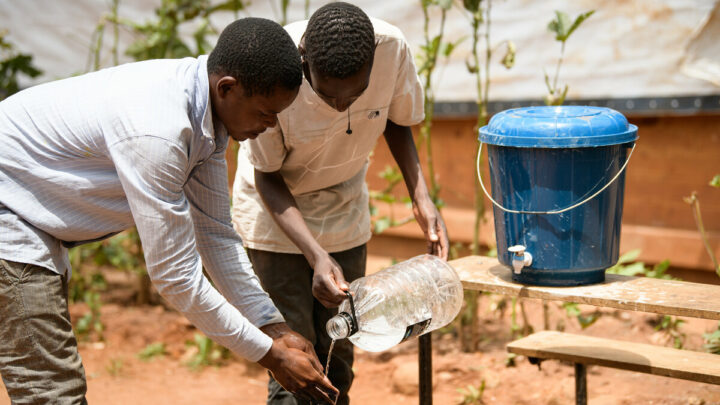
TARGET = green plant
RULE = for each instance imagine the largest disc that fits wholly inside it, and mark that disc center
(563, 28)
(12, 65)
(627, 266)
(712, 341)
(92, 320)
(471, 395)
(715, 181)
(392, 177)
(670, 326)
(115, 367)
(480, 20)
(695, 203)
(585, 320)
(85, 286)
(478, 17)
(160, 38)
(208, 352)
(430, 52)
(151, 351)
(284, 4)
(427, 60)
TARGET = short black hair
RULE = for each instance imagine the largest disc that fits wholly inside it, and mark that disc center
(259, 53)
(339, 40)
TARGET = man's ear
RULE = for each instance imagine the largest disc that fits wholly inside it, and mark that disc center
(225, 85)
(301, 47)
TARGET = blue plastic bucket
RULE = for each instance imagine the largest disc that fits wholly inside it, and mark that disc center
(558, 180)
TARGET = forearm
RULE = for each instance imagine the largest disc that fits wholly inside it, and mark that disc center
(220, 246)
(402, 147)
(284, 210)
(205, 308)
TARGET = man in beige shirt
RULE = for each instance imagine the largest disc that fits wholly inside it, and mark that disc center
(300, 201)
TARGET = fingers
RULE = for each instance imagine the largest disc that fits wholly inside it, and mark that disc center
(328, 290)
(318, 388)
(326, 392)
(340, 280)
(437, 242)
(328, 293)
(315, 362)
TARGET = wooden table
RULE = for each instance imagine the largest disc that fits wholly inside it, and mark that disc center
(667, 297)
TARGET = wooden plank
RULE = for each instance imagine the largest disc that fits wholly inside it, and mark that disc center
(666, 297)
(644, 358)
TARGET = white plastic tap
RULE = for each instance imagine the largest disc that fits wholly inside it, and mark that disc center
(520, 259)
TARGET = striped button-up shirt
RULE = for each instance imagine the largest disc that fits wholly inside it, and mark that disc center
(89, 156)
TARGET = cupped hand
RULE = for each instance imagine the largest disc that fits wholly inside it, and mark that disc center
(293, 363)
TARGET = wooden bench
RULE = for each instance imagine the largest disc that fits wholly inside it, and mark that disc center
(667, 297)
(586, 350)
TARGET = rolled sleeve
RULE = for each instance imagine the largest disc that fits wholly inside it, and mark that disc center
(407, 104)
(152, 172)
(266, 152)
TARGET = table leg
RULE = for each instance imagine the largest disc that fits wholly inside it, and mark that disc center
(425, 367)
(580, 384)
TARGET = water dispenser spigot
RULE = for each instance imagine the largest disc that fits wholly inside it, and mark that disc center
(520, 259)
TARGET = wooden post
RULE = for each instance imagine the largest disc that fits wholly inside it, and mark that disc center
(580, 384)
(425, 368)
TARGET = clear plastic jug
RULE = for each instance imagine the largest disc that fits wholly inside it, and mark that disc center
(408, 299)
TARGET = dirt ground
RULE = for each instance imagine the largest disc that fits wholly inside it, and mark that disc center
(117, 376)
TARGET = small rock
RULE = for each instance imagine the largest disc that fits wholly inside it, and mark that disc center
(97, 345)
(695, 401)
(405, 378)
(444, 376)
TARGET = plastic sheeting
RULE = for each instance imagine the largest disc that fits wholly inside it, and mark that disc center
(628, 48)
(703, 56)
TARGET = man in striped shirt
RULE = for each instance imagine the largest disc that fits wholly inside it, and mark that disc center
(141, 144)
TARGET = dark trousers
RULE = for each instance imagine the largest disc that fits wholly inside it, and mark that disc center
(288, 280)
(39, 360)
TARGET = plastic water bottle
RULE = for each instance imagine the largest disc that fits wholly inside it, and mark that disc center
(405, 300)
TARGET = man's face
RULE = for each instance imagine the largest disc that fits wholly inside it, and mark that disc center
(338, 93)
(244, 116)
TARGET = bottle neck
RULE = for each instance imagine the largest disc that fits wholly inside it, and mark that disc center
(339, 326)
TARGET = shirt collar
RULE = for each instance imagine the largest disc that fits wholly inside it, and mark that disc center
(202, 112)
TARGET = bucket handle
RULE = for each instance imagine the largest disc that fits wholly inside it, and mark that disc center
(479, 174)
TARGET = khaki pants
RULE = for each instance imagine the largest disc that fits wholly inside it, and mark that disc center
(39, 360)
(288, 280)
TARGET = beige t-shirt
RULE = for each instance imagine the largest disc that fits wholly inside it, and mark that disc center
(323, 166)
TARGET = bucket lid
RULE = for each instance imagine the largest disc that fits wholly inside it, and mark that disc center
(558, 127)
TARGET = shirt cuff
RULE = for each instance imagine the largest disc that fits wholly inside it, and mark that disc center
(254, 345)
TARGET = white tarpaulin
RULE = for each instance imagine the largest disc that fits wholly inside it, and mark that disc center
(703, 56)
(628, 48)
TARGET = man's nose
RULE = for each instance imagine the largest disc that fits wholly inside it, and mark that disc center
(270, 121)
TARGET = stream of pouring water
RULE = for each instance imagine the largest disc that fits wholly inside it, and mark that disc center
(327, 363)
